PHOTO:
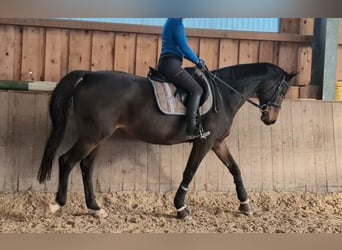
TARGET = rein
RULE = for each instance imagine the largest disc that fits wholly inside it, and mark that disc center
(263, 107)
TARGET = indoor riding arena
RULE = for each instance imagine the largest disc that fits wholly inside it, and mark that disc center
(291, 170)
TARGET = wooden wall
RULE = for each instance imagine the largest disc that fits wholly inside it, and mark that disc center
(301, 152)
(36, 49)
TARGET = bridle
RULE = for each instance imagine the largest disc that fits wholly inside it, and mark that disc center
(263, 107)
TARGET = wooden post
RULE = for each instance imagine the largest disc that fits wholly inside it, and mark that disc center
(324, 56)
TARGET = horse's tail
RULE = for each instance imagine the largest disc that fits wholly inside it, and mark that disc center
(59, 107)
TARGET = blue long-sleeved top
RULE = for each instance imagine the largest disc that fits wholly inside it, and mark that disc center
(174, 40)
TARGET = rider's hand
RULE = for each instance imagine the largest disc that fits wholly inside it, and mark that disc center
(200, 64)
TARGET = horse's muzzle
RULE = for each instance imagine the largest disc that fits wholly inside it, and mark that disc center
(269, 116)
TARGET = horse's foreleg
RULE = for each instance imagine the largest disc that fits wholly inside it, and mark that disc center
(87, 167)
(222, 151)
(199, 150)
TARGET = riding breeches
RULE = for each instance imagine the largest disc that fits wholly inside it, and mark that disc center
(171, 67)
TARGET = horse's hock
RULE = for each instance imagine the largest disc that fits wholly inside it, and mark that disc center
(301, 152)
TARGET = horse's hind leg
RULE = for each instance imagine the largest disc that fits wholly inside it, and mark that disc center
(66, 163)
(87, 166)
(221, 150)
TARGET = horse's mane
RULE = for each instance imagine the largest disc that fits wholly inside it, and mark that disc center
(239, 71)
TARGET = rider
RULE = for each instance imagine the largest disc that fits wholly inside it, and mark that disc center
(174, 49)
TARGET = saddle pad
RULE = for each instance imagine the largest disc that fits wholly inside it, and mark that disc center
(170, 104)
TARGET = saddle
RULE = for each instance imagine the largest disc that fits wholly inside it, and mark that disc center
(172, 100)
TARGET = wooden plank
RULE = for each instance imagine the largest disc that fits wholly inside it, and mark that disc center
(306, 26)
(293, 92)
(128, 164)
(159, 47)
(266, 51)
(337, 115)
(112, 176)
(194, 45)
(108, 167)
(141, 167)
(266, 158)
(40, 133)
(304, 65)
(319, 142)
(288, 57)
(178, 162)
(125, 47)
(146, 53)
(276, 53)
(212, 167)
(289, 25)
(4, 116)
(102, 55)
(209, 51)
(299, 146)
(277, 156)
(165, 183)
(248, 51)
(265, 172)
(56, 54)
(309, 154)
(24, 130)
(287, 146)
(310, 92)
(79, 50)
(153, 165)
(330, 153)
(13, 144)
(10, 49)
(228, 53)
(255, 145)
(33, 54)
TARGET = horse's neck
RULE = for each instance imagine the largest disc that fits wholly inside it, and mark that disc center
(245, 88)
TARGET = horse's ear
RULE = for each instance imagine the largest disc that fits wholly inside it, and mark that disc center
(291, 75)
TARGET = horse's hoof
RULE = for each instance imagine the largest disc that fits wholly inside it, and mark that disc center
(245, 208)
(53, 208)
(101, 213)
(183, 213)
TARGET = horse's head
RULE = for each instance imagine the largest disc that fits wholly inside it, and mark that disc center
(271, 94)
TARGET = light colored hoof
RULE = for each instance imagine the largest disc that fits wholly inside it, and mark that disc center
(54, 207)
(99, 213)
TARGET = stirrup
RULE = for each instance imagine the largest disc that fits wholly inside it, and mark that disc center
(203, 135)
(198, 134)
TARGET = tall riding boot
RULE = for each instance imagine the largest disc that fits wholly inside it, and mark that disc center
(192, 130)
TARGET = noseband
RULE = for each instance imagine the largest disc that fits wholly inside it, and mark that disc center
(263, 107)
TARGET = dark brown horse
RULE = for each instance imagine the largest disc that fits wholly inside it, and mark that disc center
(106, 101)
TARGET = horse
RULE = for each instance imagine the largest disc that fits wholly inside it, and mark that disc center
(106, 101)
